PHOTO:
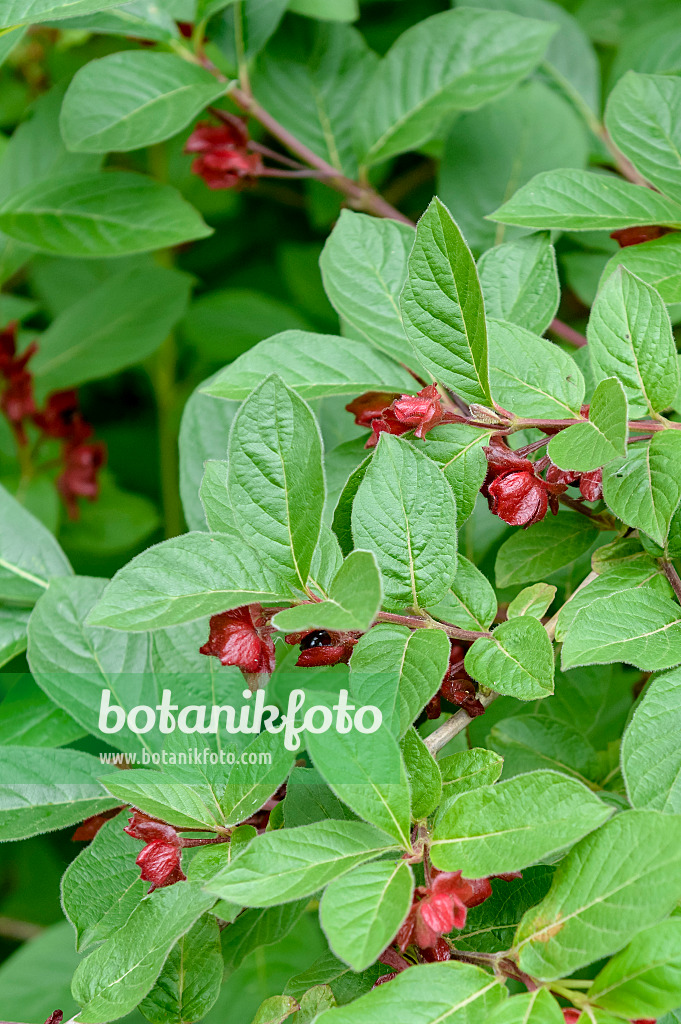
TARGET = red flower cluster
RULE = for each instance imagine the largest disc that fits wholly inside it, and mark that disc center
(243, 637)
(321, 647)
(160, 859)
(514, 490)
(60, 419)
(590, 484)
(396, 414)
(636, 235)
(439, 908)
(457, 687)
(224, 160)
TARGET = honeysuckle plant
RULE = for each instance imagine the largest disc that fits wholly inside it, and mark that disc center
(407, 690)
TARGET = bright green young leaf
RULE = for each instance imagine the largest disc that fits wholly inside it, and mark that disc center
(353, 602)
(517, 660)
(578, 200)
(276, 479)
(364, 267)
(102, 886)
(43, 790)
(442, 307)
(116, 325)
(469, 769)
(184, 579)
(639, 627)
(405, 512)
(533, 601)
(644, 488)
(219, 514)
(13, 626)
(287, 864)
(651, 758)
(275, 1010)
(471, 602)
(300, 361)
(617, 881)
(520, 282)
(497, 829)
(655, 262)
(425, 780)
(643, 119)
(599, 440)
(531, 376)
(191, 977)
(362, 911)
(645, 977)
(111, 981)
(185, 805)
(110, 214)
(457, 448)
(643, 573)
(133, 98)
(29, 554)
(204, 432)
(538, 1007)
(456, 60)
(22, 12)
(531, 555)
(630, 337)
(398, 670)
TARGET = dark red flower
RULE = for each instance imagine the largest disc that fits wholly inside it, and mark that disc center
(461, 691)
(82, 463)
(501, 460)
(560, 479)
(56, 1017)
(520, 499)
(58, 417)
(321, 647)
(422, 411)
(591, 485)
(148, 829)
(243, 637)
(17, 401)
(207, 137)
(224, 160)
(160, 864)
(439, 952)
(384, 977)
(433, 708)
(638, 234)
(571, 1015)
(387, 424)
(370, 406)
(89, 828)
(439, 908)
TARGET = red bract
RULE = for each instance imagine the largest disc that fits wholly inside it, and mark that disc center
(89, 828)
(79, 478)
(56, 1017)
(437, 953)
(370, 405)
(160, 864)
(441, 907)
(571, 1015)
(384, 977)
(501, 460)
(142, 826)
(636, 235)
(17, 401)
(520, 499)
(422, 411)
(387, 424)
(59, 415)
(433, 708)
(243, 637)
(591, 485)
(224, 160)
(462, 691)
(321, 647)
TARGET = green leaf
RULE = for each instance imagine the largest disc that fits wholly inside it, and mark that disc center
(467, 770)
(116, 325)
(29, 719)
(110, 214)
(140, 19)
(132, 99)
(255, 928)
(111, 981)
(367, 773)
(630, 337)
(414, 540)
(342, 516)
(193, 805)
(275, 1010)
(577, 200)
(442, 306)
(276, 479)
(244, 30)
(471, 602)
(251, 784)
(531, 376)
(642, 119)
(496, 829)
(645, 977)
(29, 554)
(533, 601)
(651, 759)
(362, 911)
(426, 994)
(312, 83)
(644, 573)
(457, 448)
(191, 977)
(538, 1007)
(364, 267)
(204, 432)
(22, 12)
(184, 579)
(43, 790)
(520, 282)
(612, 885)
(333, 10)
(517, 660)
(290, 863)
(425, 780)
(225, 323)
(641, 628)
(301, 362)
(590, 445)
(534, 129)
(644, 489)
(102, 886)
(531, 555)
(353, 603)
(655, 262)
(456, 60)
(527, 743)
(13, 625)
(399, 670)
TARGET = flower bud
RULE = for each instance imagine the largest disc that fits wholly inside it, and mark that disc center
(422, 411)
(370, 406)
(520, 499)
(591, 485)
(160, 864)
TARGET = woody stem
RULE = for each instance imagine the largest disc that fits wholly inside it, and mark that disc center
(456, 724)
(673, 577)
(417, 622)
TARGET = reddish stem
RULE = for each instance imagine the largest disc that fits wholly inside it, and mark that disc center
(567, 333)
